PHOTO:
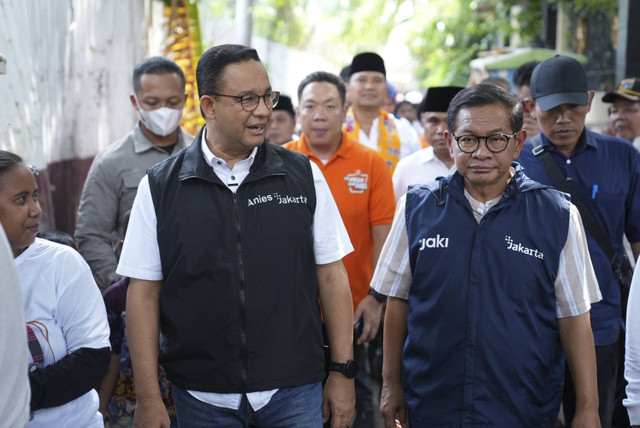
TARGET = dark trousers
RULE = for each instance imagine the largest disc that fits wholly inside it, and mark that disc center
(364, 397)
(610, 366)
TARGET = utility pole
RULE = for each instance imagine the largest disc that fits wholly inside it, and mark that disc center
(244, 21)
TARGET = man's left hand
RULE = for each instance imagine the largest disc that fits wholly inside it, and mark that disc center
(369, 313)
(338, 400)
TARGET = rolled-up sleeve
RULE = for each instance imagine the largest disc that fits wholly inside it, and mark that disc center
(392, 276)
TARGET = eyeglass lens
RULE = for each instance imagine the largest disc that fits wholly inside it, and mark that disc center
(250, 102)
(495, 143)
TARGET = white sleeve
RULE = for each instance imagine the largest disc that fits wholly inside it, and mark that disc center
(140, 256)
(399, 183)
(80, 312)
(392, 276)
(14, 387)
(330, 238)
(632, 351)
(576, 284)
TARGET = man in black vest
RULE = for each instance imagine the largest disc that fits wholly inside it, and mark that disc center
(231, 244)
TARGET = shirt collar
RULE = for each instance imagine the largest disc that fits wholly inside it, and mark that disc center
(586, 140)
(141, 143)
(213, 159)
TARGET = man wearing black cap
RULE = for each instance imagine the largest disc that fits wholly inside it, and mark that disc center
(427, 164)
(604, 172)
(367, 123)
(283, 122)
(624, 114)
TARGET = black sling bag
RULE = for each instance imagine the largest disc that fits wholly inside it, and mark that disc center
(622, 268)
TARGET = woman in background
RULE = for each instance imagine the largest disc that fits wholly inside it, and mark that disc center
(67, 330)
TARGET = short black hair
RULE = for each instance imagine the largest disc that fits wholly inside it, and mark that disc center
(323, 76)
(213, 62)
(156, 65)
(8, 161)
(402, 104)
(481, 95)
(501, 82)
(522, 75)
(345, 73)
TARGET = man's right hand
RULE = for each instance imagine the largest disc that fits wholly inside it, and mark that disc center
(151, 414)
(392, 405)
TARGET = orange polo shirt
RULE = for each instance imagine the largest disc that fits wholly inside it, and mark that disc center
(360, 182)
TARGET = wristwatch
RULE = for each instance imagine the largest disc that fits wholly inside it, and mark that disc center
(381, 298)
(348, 368)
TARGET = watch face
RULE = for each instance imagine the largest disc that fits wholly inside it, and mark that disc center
(351, 368)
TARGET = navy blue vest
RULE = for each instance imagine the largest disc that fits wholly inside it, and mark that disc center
(483, 346)
(239, 304)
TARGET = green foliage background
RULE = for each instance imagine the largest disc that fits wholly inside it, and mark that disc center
(444, 34)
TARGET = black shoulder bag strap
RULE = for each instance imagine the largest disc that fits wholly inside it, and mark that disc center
(621, 268)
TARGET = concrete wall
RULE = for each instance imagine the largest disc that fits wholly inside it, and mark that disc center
(65, 94)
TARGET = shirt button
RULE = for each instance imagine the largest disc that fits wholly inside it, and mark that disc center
(219, 162)
(568, 161)
(233, 177)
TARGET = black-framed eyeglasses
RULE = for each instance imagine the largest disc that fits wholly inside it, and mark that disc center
(250, 102)
(496, 143)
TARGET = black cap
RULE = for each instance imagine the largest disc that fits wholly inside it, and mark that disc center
(438, 98)
(559, 80)
(628, 89)
(285, 104)
(367, 61)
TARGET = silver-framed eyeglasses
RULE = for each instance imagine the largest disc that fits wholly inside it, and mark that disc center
(250, 102)
(496, 143)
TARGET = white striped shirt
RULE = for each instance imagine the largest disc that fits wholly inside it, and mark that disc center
(576, 284)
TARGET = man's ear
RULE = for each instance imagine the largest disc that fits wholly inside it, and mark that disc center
(449, 140)
(520, 138)
(345, 109)
(207, 105)
(134, 102)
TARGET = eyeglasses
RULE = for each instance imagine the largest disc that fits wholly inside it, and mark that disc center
(250, 102)
(496, 143)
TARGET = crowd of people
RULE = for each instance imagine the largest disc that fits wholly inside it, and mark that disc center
(481, 243)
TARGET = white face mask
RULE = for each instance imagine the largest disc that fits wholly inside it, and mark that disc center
(162, 121)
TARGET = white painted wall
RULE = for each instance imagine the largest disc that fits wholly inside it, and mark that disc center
(69, 64)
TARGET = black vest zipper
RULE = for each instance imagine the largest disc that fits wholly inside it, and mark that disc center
(243, 298)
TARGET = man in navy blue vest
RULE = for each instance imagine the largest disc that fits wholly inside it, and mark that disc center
(604, 172)
(232, 244)
(486, 294)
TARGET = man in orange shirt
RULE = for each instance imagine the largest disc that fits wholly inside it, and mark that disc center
(360, 182)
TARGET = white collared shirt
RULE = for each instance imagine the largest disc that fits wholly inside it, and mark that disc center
(409, 139)
(418, 168)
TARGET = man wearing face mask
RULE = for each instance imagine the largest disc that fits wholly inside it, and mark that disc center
(158, 97)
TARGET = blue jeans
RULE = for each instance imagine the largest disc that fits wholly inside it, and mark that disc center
(299, 406)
